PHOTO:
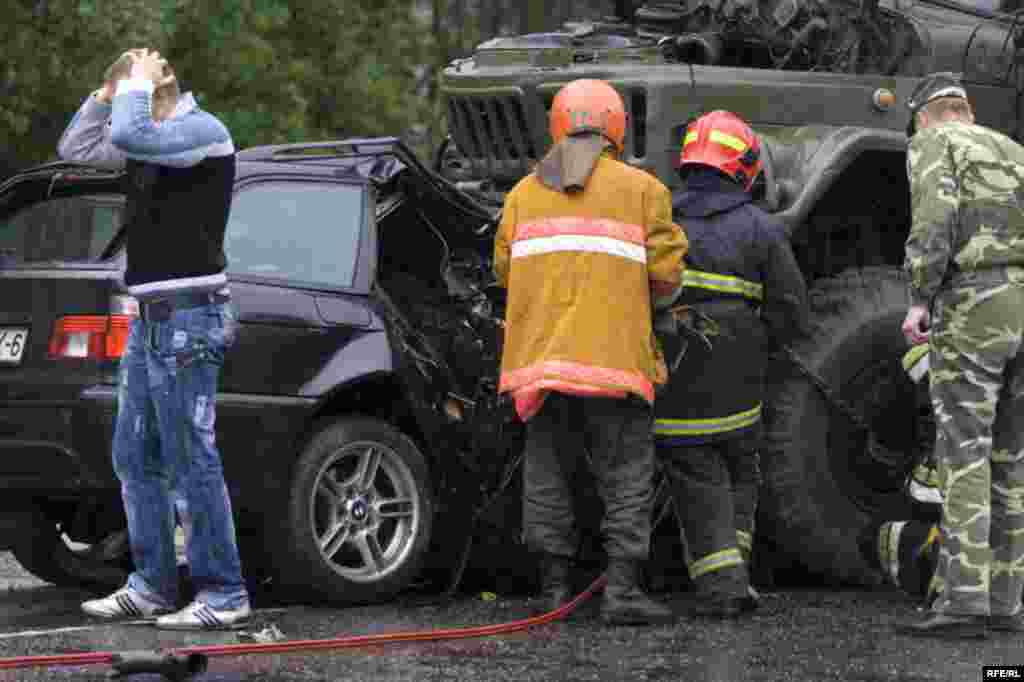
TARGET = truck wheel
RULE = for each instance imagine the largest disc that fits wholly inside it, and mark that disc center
(46, 553)
(360, 513)
(826, 476)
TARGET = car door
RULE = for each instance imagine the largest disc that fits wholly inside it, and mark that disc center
(294, 251)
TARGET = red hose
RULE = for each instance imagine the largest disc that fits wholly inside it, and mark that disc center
(350, 642)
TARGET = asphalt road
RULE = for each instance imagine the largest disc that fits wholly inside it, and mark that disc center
(799, 635)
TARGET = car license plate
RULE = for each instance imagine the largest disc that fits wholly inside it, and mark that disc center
(12, 344)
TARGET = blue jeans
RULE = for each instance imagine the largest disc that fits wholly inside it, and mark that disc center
(163, 439)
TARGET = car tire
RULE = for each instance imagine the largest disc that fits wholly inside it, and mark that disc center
(355, 536)
(45, 553)
(825, 479)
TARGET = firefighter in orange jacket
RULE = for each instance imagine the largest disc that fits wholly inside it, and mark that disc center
(742, 288)
(585, 243)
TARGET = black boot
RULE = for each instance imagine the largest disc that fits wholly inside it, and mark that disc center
(948, 627)
(555, 583)
(724, 606)
(1006, 623)
(625, 602)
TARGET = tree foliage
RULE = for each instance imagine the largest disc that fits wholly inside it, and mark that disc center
(288, 71)
(53, 56)
(274, 70)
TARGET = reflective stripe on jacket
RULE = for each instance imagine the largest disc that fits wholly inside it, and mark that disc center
(723, 284)
(582, 270)
(708, 427)
(746, 287)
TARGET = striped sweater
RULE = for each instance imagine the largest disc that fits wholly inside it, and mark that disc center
(180, 175)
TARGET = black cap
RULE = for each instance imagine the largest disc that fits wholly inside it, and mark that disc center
(933, 86)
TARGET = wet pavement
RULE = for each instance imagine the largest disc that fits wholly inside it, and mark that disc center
(799, 635)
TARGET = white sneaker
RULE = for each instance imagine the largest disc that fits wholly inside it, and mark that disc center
(199, 616)
(125, 603)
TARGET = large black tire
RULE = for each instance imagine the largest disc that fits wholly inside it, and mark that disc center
(386, 540)
(44, 552)
(825, 479)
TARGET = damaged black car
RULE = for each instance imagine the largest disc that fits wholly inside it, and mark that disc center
(359, 422)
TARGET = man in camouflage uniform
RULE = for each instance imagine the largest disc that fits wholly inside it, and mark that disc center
(965, 258)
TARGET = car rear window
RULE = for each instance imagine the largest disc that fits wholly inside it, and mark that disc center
(66, 229)
(300, 231)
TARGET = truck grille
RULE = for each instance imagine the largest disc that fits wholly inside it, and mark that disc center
(502, 136)
(490, 126)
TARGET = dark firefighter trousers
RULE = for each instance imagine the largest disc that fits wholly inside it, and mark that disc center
(617, 434)
(714, 489)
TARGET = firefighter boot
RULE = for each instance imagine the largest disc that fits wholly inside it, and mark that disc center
(625, 602)
(555, 584)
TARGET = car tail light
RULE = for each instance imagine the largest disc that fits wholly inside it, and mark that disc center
(97, 337)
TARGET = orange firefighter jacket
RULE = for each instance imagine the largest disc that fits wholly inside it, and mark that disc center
(581, 270)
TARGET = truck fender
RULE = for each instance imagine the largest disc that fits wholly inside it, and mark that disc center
(802, 163)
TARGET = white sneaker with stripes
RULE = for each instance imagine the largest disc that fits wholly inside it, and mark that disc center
(125, 603)
(200, 616)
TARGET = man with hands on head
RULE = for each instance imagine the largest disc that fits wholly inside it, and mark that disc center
(180, 162)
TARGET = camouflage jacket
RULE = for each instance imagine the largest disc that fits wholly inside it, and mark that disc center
(967, 201)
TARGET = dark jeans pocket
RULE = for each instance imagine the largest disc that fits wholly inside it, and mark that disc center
(197, 336)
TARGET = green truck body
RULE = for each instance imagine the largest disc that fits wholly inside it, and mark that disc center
(825, 83)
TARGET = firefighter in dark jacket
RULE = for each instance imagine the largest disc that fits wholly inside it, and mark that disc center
(742, 289)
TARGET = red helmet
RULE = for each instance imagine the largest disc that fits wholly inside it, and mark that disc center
(723, 141)
(587, 105)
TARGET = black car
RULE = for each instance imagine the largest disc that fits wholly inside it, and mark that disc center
(358, 413)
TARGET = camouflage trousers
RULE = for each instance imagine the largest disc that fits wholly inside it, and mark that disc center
(977, 390)
(714, 490)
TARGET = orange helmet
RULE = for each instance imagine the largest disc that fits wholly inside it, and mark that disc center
(589, 106)
(723, 141)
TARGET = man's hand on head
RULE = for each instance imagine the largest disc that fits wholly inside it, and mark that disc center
(152, 67)
(164, 81)
(106, 92)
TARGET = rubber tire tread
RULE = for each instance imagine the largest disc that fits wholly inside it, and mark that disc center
(45, 555)
(854, 317)
(304, 568)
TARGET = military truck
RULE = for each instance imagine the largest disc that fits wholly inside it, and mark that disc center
(825, 83)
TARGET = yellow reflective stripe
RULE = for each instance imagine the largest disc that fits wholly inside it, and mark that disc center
(696, 427)
(716, 562)
(926, 475)
(690, 138)
(744, 540)
(914, 355)
(723, 283)
(889, 549)
(728, 140)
